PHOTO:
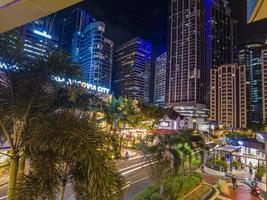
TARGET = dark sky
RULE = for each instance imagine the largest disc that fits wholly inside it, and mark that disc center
(126, 19)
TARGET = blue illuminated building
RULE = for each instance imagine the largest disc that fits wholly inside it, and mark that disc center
(39, 38)
(71, 27)
(250, 56)
(96, 55)
(131, 76)
(83, 38)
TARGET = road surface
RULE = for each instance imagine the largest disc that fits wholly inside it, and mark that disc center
(135, 171)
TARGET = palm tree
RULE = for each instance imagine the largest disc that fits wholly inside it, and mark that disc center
(184, 150)
(129, 116)
(196, 143)
(111, 116)
(119, 114)
(26, 93)
(69, 148)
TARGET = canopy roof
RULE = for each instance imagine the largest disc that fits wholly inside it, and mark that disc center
(228, 148)
(14, 13)
(256, 10)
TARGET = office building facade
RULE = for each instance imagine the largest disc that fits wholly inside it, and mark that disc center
(264, 82)
(39, 38)
(186, 73)
(160, 80)
(71, 27)
(228, 97)
(132, 69)
(96, 55)
(250, 56)
(220, 42)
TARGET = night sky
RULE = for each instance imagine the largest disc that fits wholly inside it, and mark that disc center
(126, 19)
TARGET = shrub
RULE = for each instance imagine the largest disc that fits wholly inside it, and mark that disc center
(260, 172)
(235, 164)
(174, 188)
(147, 194)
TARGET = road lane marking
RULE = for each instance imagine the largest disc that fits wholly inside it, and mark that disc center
(132, 166)
(137, 168)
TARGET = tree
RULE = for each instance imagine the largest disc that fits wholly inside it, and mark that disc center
(184, 150)
(27, 92)
(69, 148)
(159, 150)
(120, 114)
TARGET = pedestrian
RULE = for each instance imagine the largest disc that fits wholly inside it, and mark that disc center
(242, 166)
(250, 168)
(234, 182)
(256, 182)
(126, 155)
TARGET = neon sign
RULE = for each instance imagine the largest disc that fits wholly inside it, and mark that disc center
(82, 84)
(7, 67)
(44, 34)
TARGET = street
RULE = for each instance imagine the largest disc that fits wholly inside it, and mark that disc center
(135, 171)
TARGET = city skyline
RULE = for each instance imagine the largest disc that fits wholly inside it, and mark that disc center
(150, 21)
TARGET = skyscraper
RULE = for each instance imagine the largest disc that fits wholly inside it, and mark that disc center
(200, 38)
(132, 69)
(186, 82)
(96, 55)
(264, 82)
(160, 80)
(228, 99)
(250, 56)
(71, 27)
(39, 38)
(220, 42)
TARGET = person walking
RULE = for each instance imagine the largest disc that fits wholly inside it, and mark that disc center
(234, 182)
(256, 182)
(250, 168)
(126, 155)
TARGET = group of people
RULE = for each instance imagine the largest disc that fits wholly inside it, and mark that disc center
(254, 183)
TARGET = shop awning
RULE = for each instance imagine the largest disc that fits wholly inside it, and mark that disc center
(14, 13)
(228, 148)
(164, 131)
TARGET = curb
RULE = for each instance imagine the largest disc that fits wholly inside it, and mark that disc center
(214, 188)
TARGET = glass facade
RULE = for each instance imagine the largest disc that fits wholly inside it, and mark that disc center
(250, 55)
(71, 27)
(96, 55)
(160, 80)
(39, 38)
(186, 72)
(132, 70)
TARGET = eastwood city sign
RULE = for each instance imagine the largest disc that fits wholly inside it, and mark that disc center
(68, 81)
(82, 84)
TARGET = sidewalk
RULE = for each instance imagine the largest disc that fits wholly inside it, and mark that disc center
(226, 191)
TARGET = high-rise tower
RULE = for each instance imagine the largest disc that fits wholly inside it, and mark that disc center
(250, 56)
(186, 71)
(160, 80)
(96, 55)
(71, 27)
(132, 69)
(39, 37)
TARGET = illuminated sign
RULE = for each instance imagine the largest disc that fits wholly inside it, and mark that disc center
(7, 67)
(82, 84)
(44, 34)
